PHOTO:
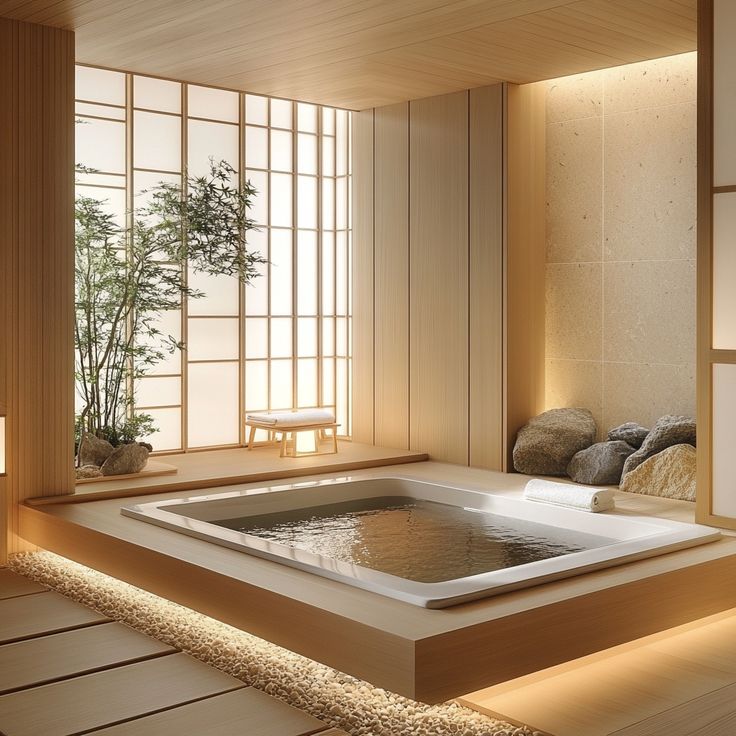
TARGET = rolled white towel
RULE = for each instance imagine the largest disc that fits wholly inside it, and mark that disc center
(571, 496)
(293, 418)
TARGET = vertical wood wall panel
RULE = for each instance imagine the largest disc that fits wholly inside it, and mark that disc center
(438, 272)
(36, 252)
(392, 275)
(486, 277)
(363, 264)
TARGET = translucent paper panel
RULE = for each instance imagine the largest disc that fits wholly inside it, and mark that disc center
(214, 104)
(281, 114)
(307, 382)
(99, 85)
(307, 152)
(222, 295)
(341, 270)
(281, 272)
(256, 110)
(306, 117)
(157, 141)
(113, 201)
(341, 203)
(213, 339)
(341, 154)
(724, 93)
(168, 424)
(281, 145)
(281, 337)
(169, 324)
(328, 336)
(213, 404)
(100, 144)
(259, 202)
(256, 385)
(328, 120)
(217, 141)
(341, 394)
(281, 384)
(158, 391)
(307, 201)
(104, 111)
(256, 147)
(256, 292)
(104, 180)
(724, 271)
(281, 200)
(144, 182)
(341, 337)
(328, 382)
(307, 272)
(256, 338)
(328, 204)
(328, 273)
(156, 94)
(328, 157)
(724, 440)
(307, 337)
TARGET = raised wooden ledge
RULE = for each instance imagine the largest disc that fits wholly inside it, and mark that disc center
(429, 655)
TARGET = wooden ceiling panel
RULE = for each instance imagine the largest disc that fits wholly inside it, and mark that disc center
(362, 53)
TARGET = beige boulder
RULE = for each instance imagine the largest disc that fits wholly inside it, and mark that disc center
(668, 474)
(126, 459)
(87, 471)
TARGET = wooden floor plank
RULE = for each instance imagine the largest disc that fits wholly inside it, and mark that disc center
(42, 613)
(105, 698)
(247, 711)
(45, 659)
(12, 585)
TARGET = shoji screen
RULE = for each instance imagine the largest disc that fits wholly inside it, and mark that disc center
(717, 262)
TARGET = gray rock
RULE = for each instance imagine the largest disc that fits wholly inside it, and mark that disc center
(548, 442)
(631, 433)
(668, 474)
(600, 464)
(93, 450)
(668, 430)
(126, 459)
(87, 471)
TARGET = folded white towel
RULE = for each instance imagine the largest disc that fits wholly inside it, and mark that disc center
(572, 496)
(293, 418)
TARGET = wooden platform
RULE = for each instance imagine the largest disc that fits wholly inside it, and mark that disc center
(197, 470)
(100, 677)
(429, 655)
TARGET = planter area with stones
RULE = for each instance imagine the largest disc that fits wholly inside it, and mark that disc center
(97, 458)
(658, 462)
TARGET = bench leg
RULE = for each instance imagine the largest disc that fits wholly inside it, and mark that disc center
(283, 444)
(251, 438)
(334, 440)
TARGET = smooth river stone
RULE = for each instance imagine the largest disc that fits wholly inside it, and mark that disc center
(600, 464)
(668, 474)
(549, 441)
(668, 431)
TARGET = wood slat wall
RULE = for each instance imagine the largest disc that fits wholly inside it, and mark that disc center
(431, 271)
(37, 256)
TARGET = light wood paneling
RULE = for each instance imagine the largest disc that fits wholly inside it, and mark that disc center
(524, 259)
(392, 275)
(438, 273)
(245, 711)
(12, 585)
(363, 278)
(486, 277)
(84, 703)
(47, 658)
(374, 54)
(37, 256)
(31, 615)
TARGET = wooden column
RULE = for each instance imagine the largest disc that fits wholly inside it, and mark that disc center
(36, 265)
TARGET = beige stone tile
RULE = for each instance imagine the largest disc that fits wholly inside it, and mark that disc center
(649, 312)
(639, 392)
(577, 96)
(575, 383)
(652, 83)
(573, 311)
(649, 179)
(574, 182)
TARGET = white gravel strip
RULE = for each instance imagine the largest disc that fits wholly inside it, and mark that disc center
(337, 699)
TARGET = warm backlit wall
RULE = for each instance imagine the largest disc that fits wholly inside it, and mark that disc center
(282, 342)
(621, 229)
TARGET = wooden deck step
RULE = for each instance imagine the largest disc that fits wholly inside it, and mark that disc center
(12, 585)
(44, 659)
(42, 613)
(247, 711)
(105, 698)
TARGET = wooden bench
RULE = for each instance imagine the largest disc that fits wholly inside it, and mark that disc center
(288, 446)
